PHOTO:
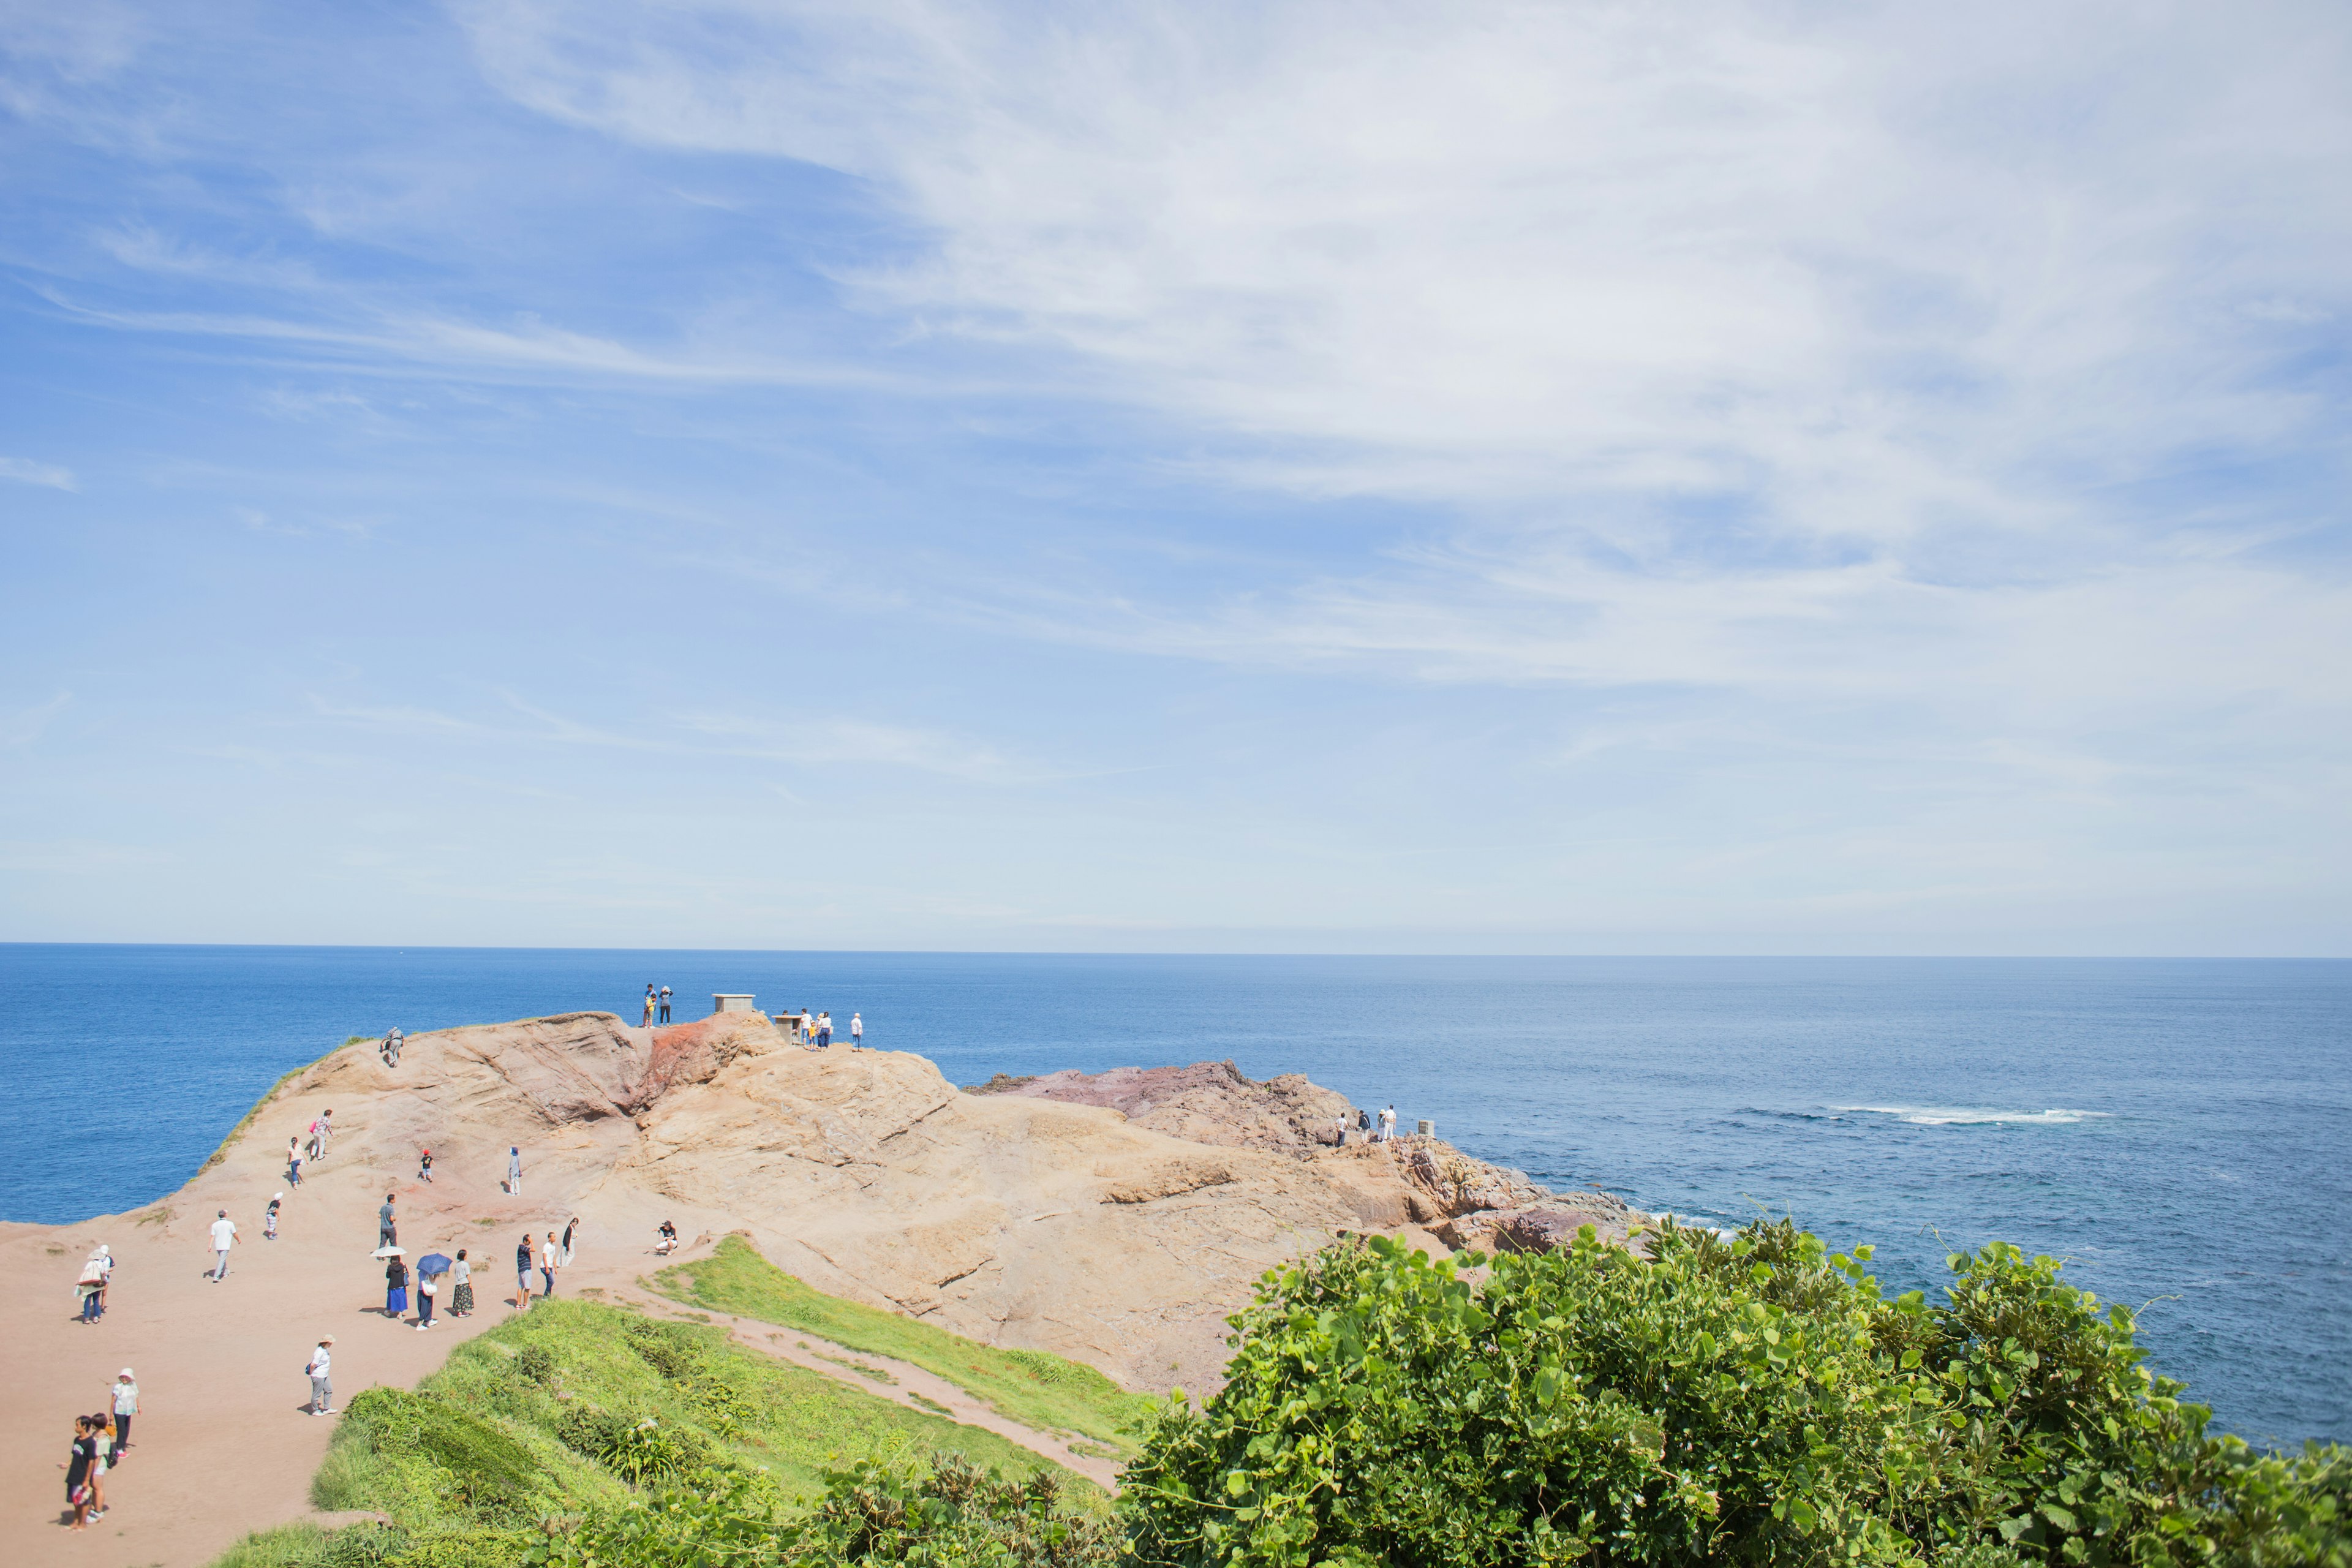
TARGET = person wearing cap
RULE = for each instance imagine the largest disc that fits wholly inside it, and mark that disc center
(323, 1392)
(92, 1284)
(223, 1237)
(270, 1218)
(126, 1406)
(514, 1171)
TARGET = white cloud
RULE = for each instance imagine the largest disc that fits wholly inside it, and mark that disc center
(26, 725)
(835, 740)
(1870, 274)
(24, 471)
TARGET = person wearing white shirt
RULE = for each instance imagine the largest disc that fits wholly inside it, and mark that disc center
(322, 1393)
(223, 1237)
(1388, 1124)
(857, 1028)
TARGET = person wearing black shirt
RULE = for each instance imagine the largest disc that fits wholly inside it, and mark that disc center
(76, 1468)
(522, 1271)
(395, 1288)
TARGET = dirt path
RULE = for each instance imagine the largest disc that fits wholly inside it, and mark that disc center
(221, 1444)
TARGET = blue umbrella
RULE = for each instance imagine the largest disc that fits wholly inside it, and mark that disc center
(432, 1263)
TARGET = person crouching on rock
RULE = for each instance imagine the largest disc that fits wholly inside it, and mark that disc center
(666, 1239)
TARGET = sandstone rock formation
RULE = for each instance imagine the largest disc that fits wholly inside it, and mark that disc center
(1208, 1102)
(1117, 1218)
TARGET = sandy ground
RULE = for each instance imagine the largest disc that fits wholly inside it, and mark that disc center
(221, 1444)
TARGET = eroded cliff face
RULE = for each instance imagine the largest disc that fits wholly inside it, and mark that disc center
(1118, 1219)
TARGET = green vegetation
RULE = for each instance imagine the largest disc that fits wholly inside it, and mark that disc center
(1754, 1401)
(598, 1420)
(1029, 1386)
(1750, 1401)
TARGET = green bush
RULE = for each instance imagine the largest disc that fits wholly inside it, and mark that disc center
(1751, 1401)
(949, 1514)
(486, 1470)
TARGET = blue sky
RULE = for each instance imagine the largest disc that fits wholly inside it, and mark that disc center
(1740, 477)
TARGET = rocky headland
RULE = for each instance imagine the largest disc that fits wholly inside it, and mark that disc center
(1115, 1218)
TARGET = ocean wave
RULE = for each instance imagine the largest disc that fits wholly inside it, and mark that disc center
(1958, 1116)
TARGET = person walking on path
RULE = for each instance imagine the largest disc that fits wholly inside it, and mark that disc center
(270, 1218)
(387, 1224)
(91, 1285)
(396, 1290)
(461, 1287)
(223, 1237)
(294, 1162)
(665, 1004)
(322, 1391)
(424, 1167)
(514, 1171)
(550, 1260)
(522, 1272)
(76, 1468)
(126, 1406)
(857, 1028)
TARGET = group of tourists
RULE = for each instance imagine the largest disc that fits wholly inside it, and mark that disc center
(99, 1442)
(815, 1029)
(656, 1002)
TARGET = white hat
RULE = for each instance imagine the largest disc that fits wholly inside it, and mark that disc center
(126, 1371)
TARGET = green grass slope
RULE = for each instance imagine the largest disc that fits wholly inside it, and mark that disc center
(1034, 1387)
(574, 1406)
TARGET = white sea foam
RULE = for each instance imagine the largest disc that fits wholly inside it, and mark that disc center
(1952, 1116)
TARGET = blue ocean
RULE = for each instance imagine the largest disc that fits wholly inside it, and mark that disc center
(2179, 1131)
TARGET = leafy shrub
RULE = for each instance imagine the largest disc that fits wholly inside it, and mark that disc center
(952, 1513)
(487, 1469)
(536, 1364)
(672, 1350)
(638, 1448)
(1755, 1400)
(362, 1546)
(947, 1515)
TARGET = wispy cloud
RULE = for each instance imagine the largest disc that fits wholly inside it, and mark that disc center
(26, 725)
(824, 741)
(24, 471)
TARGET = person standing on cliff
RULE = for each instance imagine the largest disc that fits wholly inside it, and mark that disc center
(514, 1171)
(387, 1224)
(824, 1031)
(665, 1004)
(522, 1271)
(322, 1391)
(223, 1237)
(126, 1406)
(1388, 1124)
(647, 1021)
(857, 1028)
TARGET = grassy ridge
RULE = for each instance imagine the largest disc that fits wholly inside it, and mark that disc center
(566, 1409)
(1032, 1387)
